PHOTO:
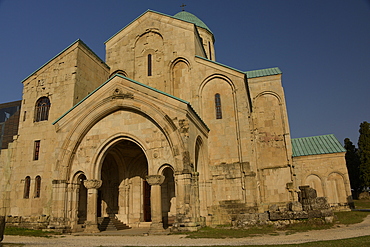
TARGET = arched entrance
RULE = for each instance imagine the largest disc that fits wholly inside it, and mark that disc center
(168, 197)
(124, 192)
(82, 200)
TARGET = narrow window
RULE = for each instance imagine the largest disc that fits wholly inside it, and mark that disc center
(27, 184)
(24, 116)
(209, 50)
(36, 150)
(218, 106)
(149, 64)
(37, 186)
(42, 109)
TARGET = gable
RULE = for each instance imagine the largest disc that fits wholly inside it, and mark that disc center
(74, 45)
(132, 86)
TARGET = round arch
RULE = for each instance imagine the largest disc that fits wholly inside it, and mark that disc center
(103, 108)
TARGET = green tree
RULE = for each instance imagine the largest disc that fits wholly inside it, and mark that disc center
(353, 166)
(364, 153)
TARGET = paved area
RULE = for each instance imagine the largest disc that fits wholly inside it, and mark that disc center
(138, 237)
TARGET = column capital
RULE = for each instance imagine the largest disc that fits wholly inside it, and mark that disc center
(93, 183)
(155, 179)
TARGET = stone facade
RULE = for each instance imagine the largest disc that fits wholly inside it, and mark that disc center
(158, 135)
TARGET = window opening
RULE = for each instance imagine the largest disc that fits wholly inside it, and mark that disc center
(36, 152)
(218, 106)
(149, 64)
(37, 186)
(27, 184)
(42, 109)
(209, 50)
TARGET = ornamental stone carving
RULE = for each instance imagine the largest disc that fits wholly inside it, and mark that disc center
(93, 183)
(155, 179)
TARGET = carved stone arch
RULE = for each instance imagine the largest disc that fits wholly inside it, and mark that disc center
(213, 76)
(78, 197)
(118, 71)
(110, 142)
(269, 93)
(335, 185)
(164, 166)
(210, 109)
(180, 86)
(270, 129)
(208, 80)
(148, 52)
(101, 109)
(197, 153)
(149, 30)
(73, 179)
(180, 59)
(315, 182)
(168, 194)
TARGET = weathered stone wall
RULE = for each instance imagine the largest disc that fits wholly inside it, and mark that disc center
(328, 175)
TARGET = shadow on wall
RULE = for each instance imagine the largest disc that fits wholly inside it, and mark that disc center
(2, 227)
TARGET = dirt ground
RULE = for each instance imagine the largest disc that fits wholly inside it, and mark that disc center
(138, 238)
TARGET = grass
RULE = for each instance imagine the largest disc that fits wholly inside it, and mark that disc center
(346, 218)
(227, 232)
(362, 204)
(29, 232)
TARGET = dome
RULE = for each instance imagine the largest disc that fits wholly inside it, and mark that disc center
(189, 17)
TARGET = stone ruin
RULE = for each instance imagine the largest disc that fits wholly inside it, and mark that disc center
(308, 206)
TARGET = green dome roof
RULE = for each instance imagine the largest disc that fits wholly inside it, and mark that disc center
(189, 17)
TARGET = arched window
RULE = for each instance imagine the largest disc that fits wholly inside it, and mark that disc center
(149, 64)
(42, 109)
(37, 186)
(27, 185)
(218, 106)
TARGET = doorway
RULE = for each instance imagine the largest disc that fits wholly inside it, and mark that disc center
(124, 193)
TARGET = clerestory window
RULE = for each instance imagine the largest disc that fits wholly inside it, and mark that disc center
(42, 109)
(37, 186)
(149, 64)
(36, 150)
(218, 106)
(27, 185)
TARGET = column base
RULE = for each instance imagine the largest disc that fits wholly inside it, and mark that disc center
(91, 228)
(157, 228)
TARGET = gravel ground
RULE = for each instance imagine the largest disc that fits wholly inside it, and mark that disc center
(340, 232)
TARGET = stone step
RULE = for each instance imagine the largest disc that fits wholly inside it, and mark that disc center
(111, 224)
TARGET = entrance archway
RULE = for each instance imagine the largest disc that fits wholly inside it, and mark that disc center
(168, 198)
(82, 200)
(123, 193)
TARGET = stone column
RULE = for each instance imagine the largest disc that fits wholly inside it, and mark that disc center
(58, 213)
(155, 182)
(92, 186)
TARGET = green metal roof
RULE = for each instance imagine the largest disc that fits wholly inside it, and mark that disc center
(324, 144)
(189, 17)
(252, 73)
(263, 72)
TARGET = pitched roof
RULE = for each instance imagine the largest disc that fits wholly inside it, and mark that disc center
(252, 73)
(263, 72)
(324, 144)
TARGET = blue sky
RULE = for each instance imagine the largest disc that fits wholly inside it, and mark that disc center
(322, 47)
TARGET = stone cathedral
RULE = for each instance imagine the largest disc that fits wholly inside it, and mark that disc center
(158, 135)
